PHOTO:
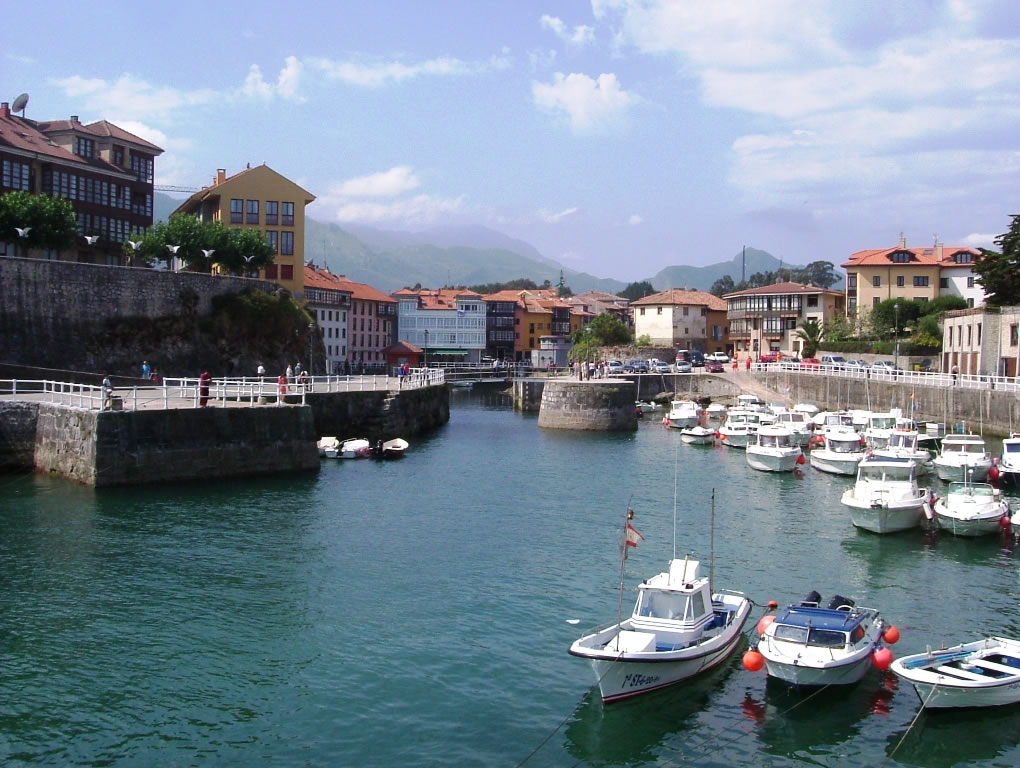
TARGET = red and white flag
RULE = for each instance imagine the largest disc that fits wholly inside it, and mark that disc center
(633, 537)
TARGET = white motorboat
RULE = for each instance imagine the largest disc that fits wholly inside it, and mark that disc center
(971, 509)
(682, 414)
(903, 444)
(748, 401)
(840, 453)
(647, 406)
(355, 448)
(963, 457)
(773, 450)
(716, 411)
(799, 425)
(878, 429)
(886, 497)
(390, 449)
(679, 628)
(984, 673)
(807, 645)
(833, 419)
(698, 435)
(807, 409)
(740, 427)
(328, 447)
(1008, 469)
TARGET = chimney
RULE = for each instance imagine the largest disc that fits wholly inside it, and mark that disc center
(221, 175)
(5, 109)
(74, 118)
(903, 240)
(938, 252)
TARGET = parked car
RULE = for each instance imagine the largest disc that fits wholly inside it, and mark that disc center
(855, 364)
(836, 361)
(657, 366)
(714, 366)
(810, 362)
(684, 366)
(636, 366)
(720, 357)
(885, 365)
(769, 357)
(614, 366)
(698, 359)
(789, 361)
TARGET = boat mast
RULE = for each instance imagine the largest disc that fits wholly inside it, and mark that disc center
(711, 547)
(623, 565)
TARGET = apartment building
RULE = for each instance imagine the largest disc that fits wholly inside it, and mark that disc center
(329, 299)
(263, 198)
(983, 342)
(684, 319)
(105, 171)
(449, 325)
(765, 319)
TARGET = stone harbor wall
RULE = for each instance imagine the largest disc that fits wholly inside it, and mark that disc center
(597, 405)
(18, 420)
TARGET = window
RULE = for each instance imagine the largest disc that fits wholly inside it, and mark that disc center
(875, 300)
(253, 212)
(963, 258)
(273, 238)
(287, 243)
(272, 213)
(920, 281)
(1014, 334)
(236, 211)
(970, 282)
(16, 175)
(271, 272)
(142, 167)
(901, 257)
(84, 147)
(286, 271)
(687, 311)
(970, 303)
(979, 334)
(642, 310)
(877, 282)
(658, 310)
(812, 301)
(288, 215)
(943, 282)
(851, 280)
(899, 281)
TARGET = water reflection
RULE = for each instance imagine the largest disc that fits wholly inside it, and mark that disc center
(944, 739)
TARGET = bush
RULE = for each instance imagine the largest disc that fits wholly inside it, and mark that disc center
(907, 348)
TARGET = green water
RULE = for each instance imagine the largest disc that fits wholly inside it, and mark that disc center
(415, 612)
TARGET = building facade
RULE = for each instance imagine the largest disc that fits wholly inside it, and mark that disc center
(679, 318)
(261, 198)
(982, 342)
(106, 172)
(765, 319)
(920, 274)
(329, 300)
(449, 325)
(371, 325)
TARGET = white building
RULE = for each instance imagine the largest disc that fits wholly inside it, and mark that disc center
(329, 300)
(981, 342)
(448, 324)
(680, 318)
(957, 276)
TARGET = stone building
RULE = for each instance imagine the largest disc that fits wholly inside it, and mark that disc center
(682, 319)
(981, 342)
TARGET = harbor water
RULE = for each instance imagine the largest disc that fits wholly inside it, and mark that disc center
(418, 612)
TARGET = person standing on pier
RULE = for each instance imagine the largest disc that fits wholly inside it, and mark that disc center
(107, 392)
(146, 369)
(261, 371)
(203, 388)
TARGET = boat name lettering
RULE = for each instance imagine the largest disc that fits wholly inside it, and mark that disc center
(636, 681)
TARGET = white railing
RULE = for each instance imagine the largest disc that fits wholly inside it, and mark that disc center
(190, 392)
(916, 378)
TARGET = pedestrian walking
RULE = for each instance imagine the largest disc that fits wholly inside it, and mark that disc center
(956, 373)
(107, 389)
(146, 369)
(297, 369)
(290, 373)
(261, 371)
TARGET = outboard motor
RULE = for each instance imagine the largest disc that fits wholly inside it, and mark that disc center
(839, 602)
(812, 600)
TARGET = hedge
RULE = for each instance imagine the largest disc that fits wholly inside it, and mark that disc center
(907, 349)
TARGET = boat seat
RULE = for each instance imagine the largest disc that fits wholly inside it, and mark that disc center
(962, 674)
(996, 667)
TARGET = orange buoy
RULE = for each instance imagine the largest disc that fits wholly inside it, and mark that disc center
(764, 622)
(753, 661)
(891, 635)
(773, 604)
(882, 658)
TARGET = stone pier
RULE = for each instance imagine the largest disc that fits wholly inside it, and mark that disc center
(600, 405)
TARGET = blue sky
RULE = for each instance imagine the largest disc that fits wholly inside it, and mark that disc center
(616, 136)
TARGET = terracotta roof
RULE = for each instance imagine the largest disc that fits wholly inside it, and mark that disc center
(681, 297)
(919, 257)
(403, 346)
(786, 287)
(439, 299)
(364, 292)
(603, 297)
(30, 136)
(214, 190)
(320, 277)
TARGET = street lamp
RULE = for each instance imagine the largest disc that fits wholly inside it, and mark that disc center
(896, 330)
(311, 360)
(426, 348)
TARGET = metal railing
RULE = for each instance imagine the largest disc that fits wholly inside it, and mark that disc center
(223, 392)
(916, 378)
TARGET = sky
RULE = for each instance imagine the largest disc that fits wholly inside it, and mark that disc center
(618, 137)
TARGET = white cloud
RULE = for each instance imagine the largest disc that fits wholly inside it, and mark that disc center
(375, 74)
(383, 197)
(975, 240)
(580, 35)
(396, 181)
(129, 95)
(556, 218)
(20, 59)
(634, 219)
(592, 105)
(256, 87)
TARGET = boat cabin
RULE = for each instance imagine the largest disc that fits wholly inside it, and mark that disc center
(827, 627)
(977, 491)
(774, 437)
(881, 421)
(888, 469)
(970, 444)
(793, 419)
(748, 401)
(903, 440)
(676, 605)
(842, 440)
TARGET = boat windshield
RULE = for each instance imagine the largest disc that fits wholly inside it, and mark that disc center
(882, 422)
(903, 440)
(773, 441)
(810, 635)
(963, 447)
(878, 442)
(792, 417)
(845, 446)
(665, 604)
(1011, 447)
(972, 489)
(887, 474)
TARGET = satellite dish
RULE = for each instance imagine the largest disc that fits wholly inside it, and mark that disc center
(20, 103)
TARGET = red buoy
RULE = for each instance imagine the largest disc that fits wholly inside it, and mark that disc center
(764, 622)
(891, 635)
(753, 661)
(882, 658)
(993, 475)
(801, 459)
(1005, 522)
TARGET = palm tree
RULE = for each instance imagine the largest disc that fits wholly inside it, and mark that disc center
(810, 332)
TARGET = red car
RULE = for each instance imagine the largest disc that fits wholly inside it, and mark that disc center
(769, 357)
(714, 366)
(810, 362)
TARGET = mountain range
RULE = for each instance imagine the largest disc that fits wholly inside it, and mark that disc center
(390, 260)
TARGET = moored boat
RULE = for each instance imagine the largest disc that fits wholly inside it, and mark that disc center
(355, 448)
(983, 673)
(1008, 468)
(739, 428)
(698, 435)
(807, 645)
(840, 453)
(328, 447)
(773, 450)
(963, 457)
(971, 509)
(390, 449)
(878, 429)
(682, 414)
(799, 425)
(903, 443)
(886, 497)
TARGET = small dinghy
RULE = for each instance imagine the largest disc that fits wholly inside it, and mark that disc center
(647, 406)
(698, 435)
(984, 673)
(355, 448)
(807, 645)
(390, 449)
(329, 447)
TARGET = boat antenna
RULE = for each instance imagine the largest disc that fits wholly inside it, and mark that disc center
(676, 475)
(623, 563)
(711, 547)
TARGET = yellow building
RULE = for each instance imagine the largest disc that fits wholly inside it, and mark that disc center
(260, 197)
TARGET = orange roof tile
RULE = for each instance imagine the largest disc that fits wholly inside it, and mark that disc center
(919, 257)
(679, 296)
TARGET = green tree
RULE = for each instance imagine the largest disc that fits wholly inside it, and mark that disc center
(48, 222)
(605, 330)
(810, 332)
(820, 273)
(838, 328)
(635, 291)
(183, 232)
(885, 321)
(241, 250)
(722, 286)
(942, 304)
(998, 272)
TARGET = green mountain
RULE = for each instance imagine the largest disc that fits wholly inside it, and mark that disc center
(702, 278)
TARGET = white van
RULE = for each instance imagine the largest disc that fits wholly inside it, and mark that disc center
(836, 361)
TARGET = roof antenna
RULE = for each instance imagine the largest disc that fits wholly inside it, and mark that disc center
(19, 104)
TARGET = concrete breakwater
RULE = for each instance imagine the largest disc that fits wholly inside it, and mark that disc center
(603, 404)
(528, 393)
(107, 448)
(994, 412)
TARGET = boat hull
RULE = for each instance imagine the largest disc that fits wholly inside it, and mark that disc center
(681, 422)
(825, 461)
(952, 686)
(698, 439)
(735, 440)
(765, 462)
(883, 519)
(961, 472)
(801, 675)
(977, 523)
